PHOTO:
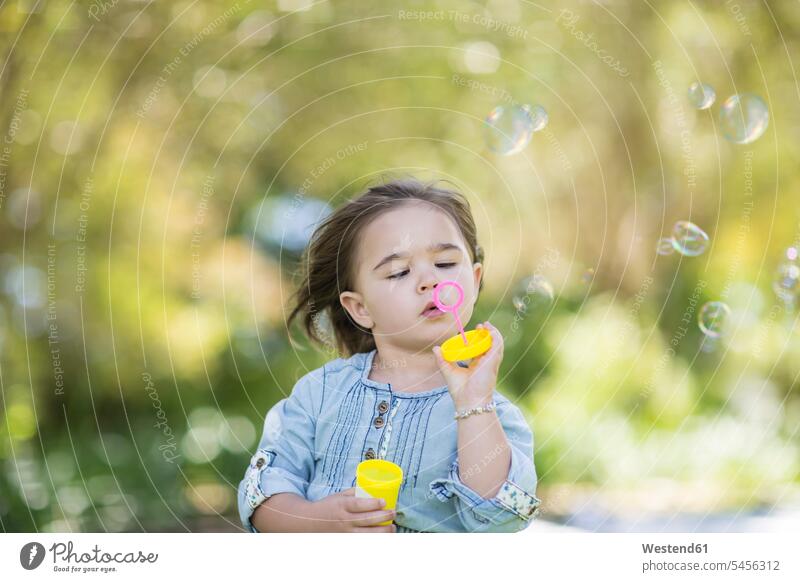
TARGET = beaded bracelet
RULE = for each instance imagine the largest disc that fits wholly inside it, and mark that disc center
(465, 413)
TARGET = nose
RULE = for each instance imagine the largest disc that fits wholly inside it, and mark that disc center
(426, 284)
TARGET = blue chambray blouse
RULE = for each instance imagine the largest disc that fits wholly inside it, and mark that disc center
(336, 417)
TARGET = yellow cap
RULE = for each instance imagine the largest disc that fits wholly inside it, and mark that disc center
(478, 342)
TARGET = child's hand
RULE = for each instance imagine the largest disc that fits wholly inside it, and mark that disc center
(344, 512)
(473, 386)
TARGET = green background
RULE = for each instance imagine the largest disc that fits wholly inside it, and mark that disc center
(151, 144)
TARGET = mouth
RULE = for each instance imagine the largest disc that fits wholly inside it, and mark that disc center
(431, 310)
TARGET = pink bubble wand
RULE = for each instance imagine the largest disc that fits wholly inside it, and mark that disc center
(452, 308)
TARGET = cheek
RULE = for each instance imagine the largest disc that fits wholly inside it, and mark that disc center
(466, 277)
(390, 304)
(401, 308)
(470, 289)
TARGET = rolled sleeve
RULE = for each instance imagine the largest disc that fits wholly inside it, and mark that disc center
(515, 504)
(284, 460)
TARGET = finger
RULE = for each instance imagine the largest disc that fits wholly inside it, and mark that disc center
(497, 338)
(479, 360)
(492, 357)
(493, 330)
(444, 366)
(373, 518)
(360, 504)
(349, 492)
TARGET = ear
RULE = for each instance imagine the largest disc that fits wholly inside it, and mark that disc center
(477, 272)
(353, 302)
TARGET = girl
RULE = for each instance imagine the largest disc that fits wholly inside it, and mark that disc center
(466, 451)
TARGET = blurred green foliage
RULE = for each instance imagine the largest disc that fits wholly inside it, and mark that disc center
(144, 141)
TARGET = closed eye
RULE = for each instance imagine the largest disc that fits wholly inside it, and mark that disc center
(402, 274)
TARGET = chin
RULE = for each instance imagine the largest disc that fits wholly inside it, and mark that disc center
(438, 337)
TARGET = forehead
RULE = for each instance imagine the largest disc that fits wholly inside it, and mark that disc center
(410, 227)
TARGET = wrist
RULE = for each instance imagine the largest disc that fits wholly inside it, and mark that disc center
(465, 402)
(318, 518)
(287, 512)
(472, 411)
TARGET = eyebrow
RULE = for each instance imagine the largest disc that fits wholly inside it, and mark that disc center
(439, 247)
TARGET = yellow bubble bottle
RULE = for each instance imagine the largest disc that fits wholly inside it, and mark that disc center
(379, 478)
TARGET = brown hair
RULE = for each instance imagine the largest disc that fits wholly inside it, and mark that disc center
(328, 261)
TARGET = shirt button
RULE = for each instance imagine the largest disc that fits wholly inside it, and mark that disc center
(260, 463)
(383, 407)
(378, 422)
(370, 454)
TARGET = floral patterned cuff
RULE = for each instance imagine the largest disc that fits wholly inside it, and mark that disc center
(253, 493)
(516, 499)
(510, 496)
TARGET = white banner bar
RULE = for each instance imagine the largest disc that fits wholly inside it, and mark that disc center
(366, 557)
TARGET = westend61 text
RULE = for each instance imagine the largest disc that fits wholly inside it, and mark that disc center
(670, 549)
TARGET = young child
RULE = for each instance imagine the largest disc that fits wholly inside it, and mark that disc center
(371, 268)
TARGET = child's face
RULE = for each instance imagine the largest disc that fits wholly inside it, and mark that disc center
(399, 262)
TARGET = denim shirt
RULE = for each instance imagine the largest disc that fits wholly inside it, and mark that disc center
(336, 417)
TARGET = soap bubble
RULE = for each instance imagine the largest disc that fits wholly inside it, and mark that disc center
(664, 246)
(713, 318)
(689, 239)
(539, 117)
(786, 283)
(743, 118)
(701, 96)
(534, 292)
(509, 129)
